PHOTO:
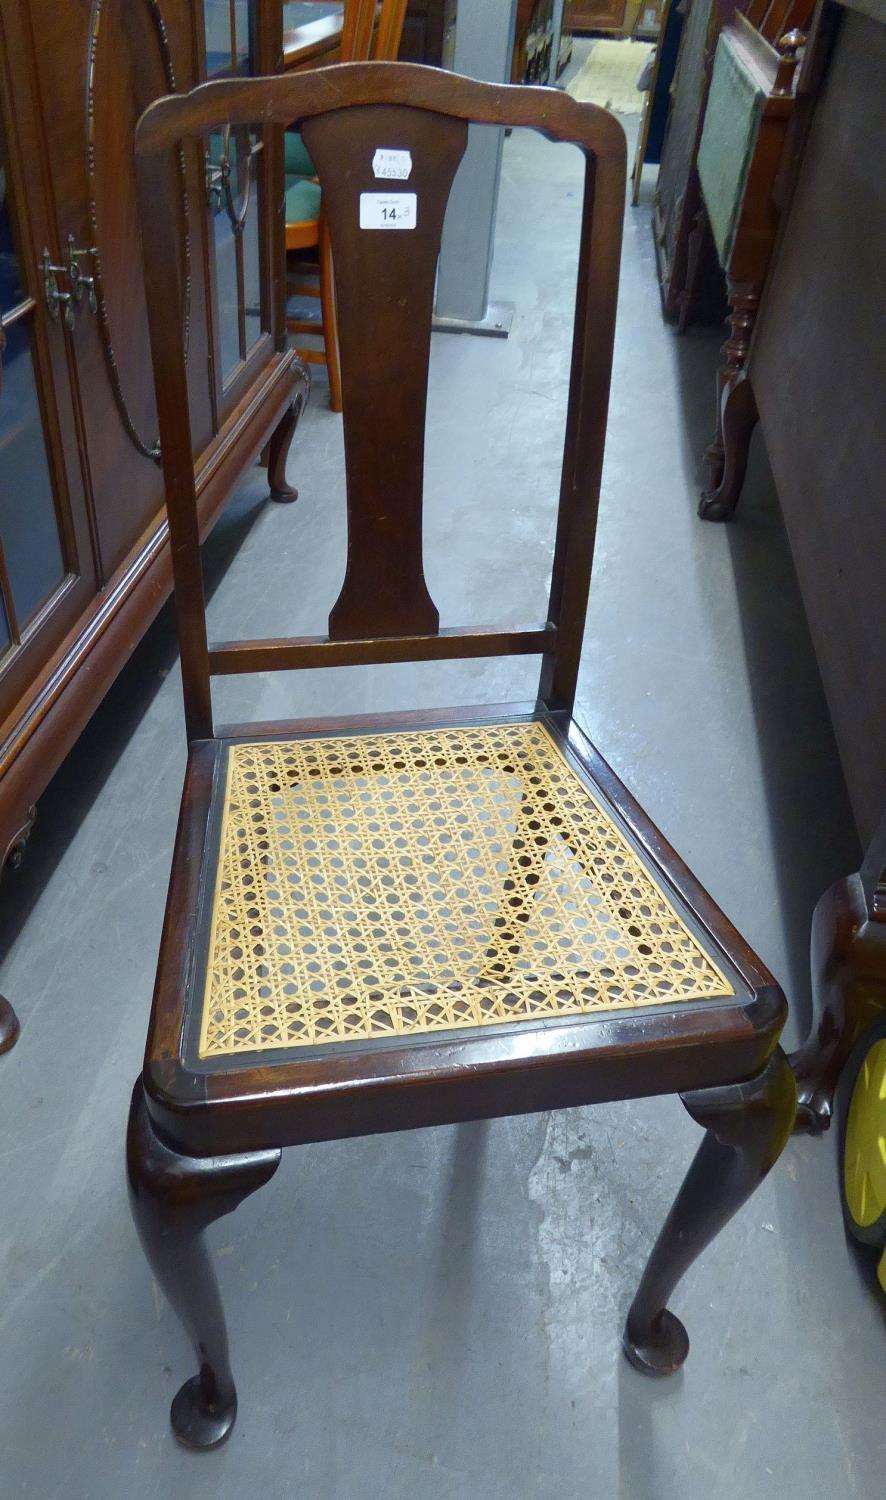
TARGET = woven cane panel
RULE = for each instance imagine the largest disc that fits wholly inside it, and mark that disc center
(398, 884)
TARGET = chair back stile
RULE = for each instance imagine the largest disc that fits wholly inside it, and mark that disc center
(356, 29)
(384, 279)
(357, 41)
(390, 30)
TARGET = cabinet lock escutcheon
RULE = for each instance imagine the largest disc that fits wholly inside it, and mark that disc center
(218, 176)
(58, 304)
(81, 284)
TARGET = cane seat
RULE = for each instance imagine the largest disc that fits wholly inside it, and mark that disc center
(401, 884)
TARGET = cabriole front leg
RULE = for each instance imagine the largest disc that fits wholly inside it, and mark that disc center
(173, 1198)
(727, 458)
(747, 1126)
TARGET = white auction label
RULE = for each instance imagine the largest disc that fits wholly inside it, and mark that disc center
(388, 162)
(388, 210)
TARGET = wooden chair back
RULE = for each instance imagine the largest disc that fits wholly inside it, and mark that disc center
(357, 41)
(384, 282)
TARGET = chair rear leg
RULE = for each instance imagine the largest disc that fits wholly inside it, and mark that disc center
(747, 1126)
(173, 1198)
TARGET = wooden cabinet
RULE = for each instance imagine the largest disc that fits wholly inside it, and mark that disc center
(84, 561)
(597, 15)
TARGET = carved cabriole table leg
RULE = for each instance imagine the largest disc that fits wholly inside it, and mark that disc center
(747, 1126)
(281, 438)
(173, 1198)
(727, 458)
(12, 859)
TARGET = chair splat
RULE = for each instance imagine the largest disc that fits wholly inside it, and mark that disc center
(384, 288)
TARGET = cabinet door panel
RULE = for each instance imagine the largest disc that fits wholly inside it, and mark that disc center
(29, 529)
(46, 558)
(100, 65)
(235, 44)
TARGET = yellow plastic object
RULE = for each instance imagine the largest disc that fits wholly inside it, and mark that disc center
(415, 882)
(864, 1155)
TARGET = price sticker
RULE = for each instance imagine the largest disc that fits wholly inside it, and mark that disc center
(388, 162)
(388, 210)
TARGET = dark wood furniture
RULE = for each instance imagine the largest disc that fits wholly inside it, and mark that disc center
(85, 561)
(816, 377)
(312, 33)
(817, 367)
(370, 31)
(429, 32)
(848, 982)
(676, 199)
(818, 380)
(599, 15)
(737, 175)
(691, 283)
(385, 923)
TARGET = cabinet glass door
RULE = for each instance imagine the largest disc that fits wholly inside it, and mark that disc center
(236, 190)
(32, 561)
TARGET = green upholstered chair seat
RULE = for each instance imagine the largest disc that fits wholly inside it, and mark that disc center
(302, 199)
(297, 157)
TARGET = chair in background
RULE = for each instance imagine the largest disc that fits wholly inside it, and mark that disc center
(416, 919)
(749, 107)
(305, 221)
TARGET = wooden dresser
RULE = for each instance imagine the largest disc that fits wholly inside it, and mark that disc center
(84, 560)
(597, 15)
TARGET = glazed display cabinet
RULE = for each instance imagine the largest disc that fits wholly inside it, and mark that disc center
(84, 556)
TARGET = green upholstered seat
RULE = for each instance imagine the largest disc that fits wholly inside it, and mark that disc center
(302, 199)
(297, 157)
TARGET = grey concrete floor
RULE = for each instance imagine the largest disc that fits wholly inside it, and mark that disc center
(438, 1314)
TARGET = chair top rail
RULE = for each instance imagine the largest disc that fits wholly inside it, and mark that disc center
(286, 98)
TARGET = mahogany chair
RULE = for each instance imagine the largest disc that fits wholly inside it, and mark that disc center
(407, 920)
(364, 37)
(751, 99)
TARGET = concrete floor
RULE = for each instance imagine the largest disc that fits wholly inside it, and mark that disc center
(438, 1314)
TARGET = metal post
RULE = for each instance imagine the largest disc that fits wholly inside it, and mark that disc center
(484, 43)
